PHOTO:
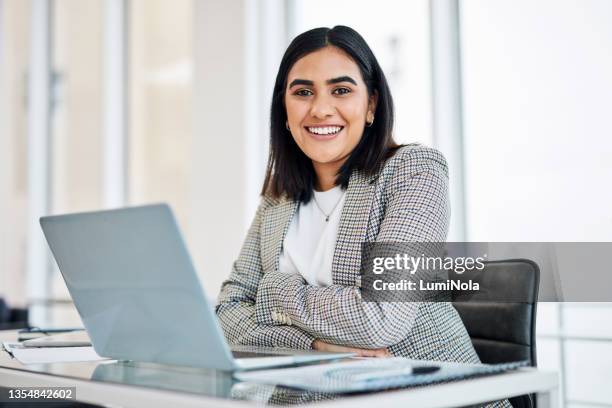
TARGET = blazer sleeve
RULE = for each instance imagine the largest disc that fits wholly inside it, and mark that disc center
(417, 211)
(236, 305)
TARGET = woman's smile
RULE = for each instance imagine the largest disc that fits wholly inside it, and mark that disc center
(324, 132)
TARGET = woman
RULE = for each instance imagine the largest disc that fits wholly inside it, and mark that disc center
(336, 179)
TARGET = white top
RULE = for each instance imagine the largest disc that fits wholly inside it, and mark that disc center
(308, 248)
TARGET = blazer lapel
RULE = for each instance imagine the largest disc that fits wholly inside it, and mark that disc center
(275, 224)
(346, 264)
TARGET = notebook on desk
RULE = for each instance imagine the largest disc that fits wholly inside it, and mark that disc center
(78, 338)
(372, 375)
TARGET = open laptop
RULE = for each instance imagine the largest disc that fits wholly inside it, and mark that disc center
(135, 287)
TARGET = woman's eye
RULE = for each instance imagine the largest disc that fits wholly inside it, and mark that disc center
(304, 92)
(341, 91)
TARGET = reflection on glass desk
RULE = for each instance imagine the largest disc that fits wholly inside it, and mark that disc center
(212, 383)
(204, 382)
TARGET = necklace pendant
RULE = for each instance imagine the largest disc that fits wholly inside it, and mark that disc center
(327, 219)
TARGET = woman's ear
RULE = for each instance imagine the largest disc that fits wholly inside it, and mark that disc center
(372, 102)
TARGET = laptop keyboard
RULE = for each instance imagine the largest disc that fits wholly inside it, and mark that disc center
(251, 354)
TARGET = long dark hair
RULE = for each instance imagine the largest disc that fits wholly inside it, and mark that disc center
(290, 172)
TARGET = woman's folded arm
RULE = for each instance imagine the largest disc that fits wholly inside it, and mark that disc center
(335, 314)
(240, 327)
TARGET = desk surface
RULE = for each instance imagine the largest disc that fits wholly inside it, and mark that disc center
(130, 384)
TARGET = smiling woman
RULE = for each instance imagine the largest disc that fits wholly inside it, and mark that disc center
(335, 180)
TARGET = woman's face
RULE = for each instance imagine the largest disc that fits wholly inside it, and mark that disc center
(327, 105)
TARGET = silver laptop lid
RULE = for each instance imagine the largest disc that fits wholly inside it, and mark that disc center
(134, 285)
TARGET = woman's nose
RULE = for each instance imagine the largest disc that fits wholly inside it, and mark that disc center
(322, 107)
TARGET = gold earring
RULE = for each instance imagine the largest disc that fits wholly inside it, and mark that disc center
(287, 125)
(370, 122)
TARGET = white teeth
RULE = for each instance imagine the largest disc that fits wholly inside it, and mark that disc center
(325, 130)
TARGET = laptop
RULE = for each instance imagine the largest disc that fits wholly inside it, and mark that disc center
(134, 285)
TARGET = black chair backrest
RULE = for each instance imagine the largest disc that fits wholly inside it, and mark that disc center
(12, 318)
(500, 317)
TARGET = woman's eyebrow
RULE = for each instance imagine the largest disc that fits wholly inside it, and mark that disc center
(344, 78)
(300, 82)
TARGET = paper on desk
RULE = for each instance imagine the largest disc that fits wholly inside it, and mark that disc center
(42, 355)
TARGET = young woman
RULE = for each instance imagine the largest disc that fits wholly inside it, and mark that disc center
(336, 179)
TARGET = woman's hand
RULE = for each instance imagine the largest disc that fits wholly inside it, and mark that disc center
(334, 348)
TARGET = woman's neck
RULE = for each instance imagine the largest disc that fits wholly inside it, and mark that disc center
(326, 175)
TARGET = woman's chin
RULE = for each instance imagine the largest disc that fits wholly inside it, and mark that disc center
(323, 151)
(325, 157)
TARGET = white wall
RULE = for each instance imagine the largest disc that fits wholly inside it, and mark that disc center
(537, 100)
(219, 158)
(238, 46)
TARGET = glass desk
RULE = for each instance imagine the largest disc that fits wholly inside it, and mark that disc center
(146, 384)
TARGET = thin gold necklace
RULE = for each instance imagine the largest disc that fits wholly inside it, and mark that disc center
(323, 212)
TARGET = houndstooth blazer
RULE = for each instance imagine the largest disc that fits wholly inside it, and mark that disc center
(407, 201)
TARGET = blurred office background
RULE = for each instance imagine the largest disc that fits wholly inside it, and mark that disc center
(124, 102)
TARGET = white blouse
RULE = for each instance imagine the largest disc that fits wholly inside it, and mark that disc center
(308, 248)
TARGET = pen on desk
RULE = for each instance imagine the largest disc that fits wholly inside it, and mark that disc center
(34, 332)
(49, 330)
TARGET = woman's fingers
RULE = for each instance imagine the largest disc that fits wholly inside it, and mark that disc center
(334, 348)
(373, 353)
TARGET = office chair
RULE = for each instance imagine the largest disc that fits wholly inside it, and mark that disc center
(500, 318)
(12, 318)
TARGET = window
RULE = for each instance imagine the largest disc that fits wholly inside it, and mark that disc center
(160, 104)
(159, 44)
(14, 48)
(536, 88)
(76, 148)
